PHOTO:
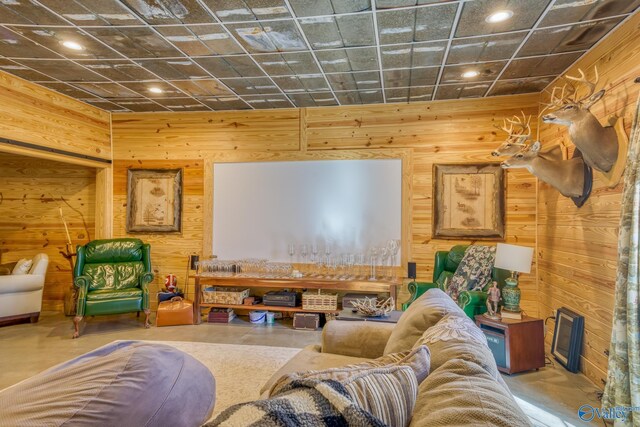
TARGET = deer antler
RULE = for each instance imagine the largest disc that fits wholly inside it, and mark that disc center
(524, 124)
(504, 127)
(591, 86)
(556, 101)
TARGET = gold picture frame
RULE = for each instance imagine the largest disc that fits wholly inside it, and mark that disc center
(469, 201)
(154, 200)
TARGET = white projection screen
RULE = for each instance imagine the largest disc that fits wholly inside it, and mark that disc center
(260, 208)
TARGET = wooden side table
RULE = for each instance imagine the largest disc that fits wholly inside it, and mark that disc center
(517, 345)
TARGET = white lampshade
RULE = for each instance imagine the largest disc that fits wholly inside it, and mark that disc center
(513, 258)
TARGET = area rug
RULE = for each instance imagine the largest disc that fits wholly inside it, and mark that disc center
(240, 370)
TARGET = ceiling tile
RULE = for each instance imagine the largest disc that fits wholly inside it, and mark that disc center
(313, 99)
(27, 13)
(93, 12)
(63, 70)
(199, 88)
(268, 36)
(473, 90)
(355, 59)
(158, 12)
(409, 25)
(225, 103)
(488, 72)
(143, 89)
(355, 81)
(411, 77)
(251, 86)
(570, 11)
(201, 40)
(327, 32)
(567, 39)
(421, 93)
(540, 66)
(312, 82)
(328, 7)
(412, 55)
(530, 85)
(389, 4)
(407, 94)
(360, 97)
(485, 48)
(174, 69)
(140, 105)
(22, 71)
(108, 90)
(248, 10)
(120, 70)
(473, 23)
(68, 90)
(287, 64)
(105, 105)
(13, 45)
(268, 101)
(231, 66)
(135, 42)
(181, 104)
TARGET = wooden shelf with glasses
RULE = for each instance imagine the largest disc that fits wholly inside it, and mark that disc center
(246, 281)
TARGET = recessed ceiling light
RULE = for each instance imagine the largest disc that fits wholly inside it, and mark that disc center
(72, 45)
(470, 74)
(155, 90)
(499, 16)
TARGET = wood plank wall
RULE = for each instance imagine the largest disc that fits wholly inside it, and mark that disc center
(31, 183)
(32, 191)
(37, 115)
(577, 248)
(435, 132)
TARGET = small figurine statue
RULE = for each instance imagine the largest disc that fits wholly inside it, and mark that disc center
(493, 298)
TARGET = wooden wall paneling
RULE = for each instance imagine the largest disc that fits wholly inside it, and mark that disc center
(104, 203)
(33, 190)
(577, 247)
(40, 116)
(151, 136)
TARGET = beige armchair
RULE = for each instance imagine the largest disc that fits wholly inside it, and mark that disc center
(21, 295)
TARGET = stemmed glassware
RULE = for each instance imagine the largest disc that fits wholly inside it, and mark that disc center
(304, 252)
(393, 246)
(384, 256)
(361, 262)
(373, 253)
(292, 251)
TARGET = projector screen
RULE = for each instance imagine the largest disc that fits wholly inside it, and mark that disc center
(259, 209)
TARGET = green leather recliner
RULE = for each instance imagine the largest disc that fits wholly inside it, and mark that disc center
(112, 277)
(446, 263)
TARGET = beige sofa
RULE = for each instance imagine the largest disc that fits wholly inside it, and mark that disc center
(463, 388)
(21, 294)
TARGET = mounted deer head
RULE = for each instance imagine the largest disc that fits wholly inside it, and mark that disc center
(566, 176)
(517, 138)
(598, 144)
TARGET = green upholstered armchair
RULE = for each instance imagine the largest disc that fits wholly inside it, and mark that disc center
(446, 263)
(112, 277)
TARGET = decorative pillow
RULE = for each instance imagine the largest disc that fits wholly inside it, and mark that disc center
(22, 266)
(417, 359)
(388, 393)
(444, 279)
(474, 271)
(457, 337)
(422, 314)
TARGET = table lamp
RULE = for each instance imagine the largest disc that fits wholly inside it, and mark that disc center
(516, 259)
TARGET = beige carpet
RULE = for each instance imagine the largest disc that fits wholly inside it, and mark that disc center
(240, 370)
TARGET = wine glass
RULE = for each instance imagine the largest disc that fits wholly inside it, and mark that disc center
(373, 254)
(304, 251)
(360, 261)
(292, 251)
(384, 256)
(393, 246)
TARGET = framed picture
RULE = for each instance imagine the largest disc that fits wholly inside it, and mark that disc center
(468, 201)
(154, 200)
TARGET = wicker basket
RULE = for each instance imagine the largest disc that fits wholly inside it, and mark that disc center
(319, 301)
(232, 296)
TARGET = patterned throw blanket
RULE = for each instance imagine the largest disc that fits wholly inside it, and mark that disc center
(306, 402)
(473, 272)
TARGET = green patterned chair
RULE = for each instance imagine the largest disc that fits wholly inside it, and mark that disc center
(446, 263)
(112, 277)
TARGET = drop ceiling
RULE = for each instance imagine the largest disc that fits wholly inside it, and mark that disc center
(203, 55)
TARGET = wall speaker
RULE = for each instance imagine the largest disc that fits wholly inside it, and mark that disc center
(192, 261)
(411, 270)
(567, 338)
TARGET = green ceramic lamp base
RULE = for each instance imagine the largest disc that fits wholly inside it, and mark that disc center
(511, 295)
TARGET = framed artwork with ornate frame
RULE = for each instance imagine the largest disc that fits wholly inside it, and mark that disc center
(468, 201)
(154, 200)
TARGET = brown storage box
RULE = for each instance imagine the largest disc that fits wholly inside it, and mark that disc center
(175, 312)
(221, 315)
(310, 321)
(222, 295)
